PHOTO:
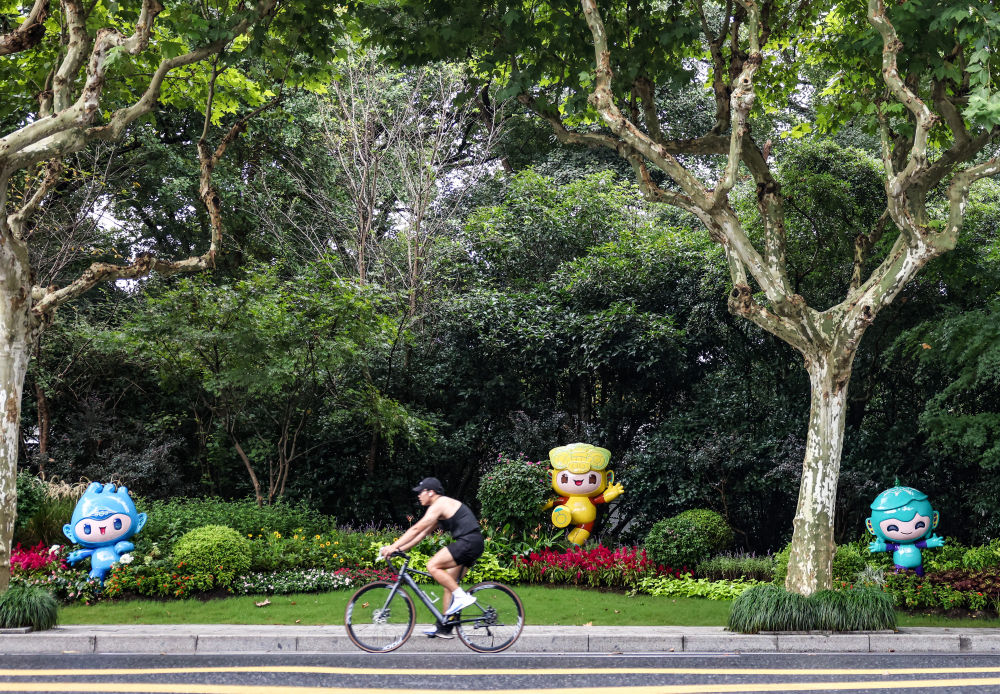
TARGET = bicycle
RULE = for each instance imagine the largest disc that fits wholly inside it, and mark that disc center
(380, 616)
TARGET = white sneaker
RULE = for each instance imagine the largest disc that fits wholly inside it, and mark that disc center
(459, 603)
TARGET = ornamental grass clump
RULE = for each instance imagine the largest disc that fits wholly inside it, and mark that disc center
(858, 609)
(735, 567)
(27, 606)
(768, 607)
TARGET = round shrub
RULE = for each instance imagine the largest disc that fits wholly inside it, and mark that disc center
(214, 549)
(688, 538)
(511, 494)
(27, 606)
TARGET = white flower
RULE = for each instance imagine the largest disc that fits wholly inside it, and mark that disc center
(54, 548)
(125, 559)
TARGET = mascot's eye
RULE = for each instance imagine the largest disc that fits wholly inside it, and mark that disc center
(892, 529)
(86, 528)
(593, 479)
(920, 524)
(564, 479)
(118, 523)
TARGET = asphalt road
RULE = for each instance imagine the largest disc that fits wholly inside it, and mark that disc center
(416, 673)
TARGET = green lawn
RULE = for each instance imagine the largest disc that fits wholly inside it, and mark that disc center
(542, 605)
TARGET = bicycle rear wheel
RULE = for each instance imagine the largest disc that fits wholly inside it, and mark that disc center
(376, 623)
(494, 621)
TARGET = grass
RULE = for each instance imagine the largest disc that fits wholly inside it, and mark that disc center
(27, 606)
(542, 606)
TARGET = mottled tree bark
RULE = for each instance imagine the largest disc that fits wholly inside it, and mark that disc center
(17, 327)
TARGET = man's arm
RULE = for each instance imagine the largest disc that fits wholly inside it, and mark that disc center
(417, 532)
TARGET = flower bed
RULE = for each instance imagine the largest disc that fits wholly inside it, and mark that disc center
(598, 567)
(37, 558)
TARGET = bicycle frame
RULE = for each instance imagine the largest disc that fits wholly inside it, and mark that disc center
(403, 576)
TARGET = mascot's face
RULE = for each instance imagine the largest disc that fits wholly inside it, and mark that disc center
(905, 531)
(589, 483)
(902, 515)
(104, 515)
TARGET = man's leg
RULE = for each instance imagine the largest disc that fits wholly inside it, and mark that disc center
(452, 575)
(446, 571)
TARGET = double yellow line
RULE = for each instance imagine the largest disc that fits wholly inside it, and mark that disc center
(875, 678)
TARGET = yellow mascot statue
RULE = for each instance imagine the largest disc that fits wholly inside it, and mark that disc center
(580, 479)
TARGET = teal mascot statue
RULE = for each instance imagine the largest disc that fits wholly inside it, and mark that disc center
(902, 520)
(103, 520)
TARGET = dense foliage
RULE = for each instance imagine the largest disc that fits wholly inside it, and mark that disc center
(511, 493)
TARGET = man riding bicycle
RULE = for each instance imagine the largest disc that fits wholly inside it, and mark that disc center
(451, 562)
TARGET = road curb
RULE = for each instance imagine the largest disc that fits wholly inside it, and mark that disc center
(208, 639)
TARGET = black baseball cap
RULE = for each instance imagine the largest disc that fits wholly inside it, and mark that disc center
(432, 483)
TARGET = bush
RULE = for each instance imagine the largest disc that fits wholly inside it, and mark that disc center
(31, 493)
(945, 558)
(781, 565)
(27, 606)
(983, 557)
(43, 508)
(734, 567)
(848, 562)
(511, 494)
(688, 538)
(169, 520)
(767, 607)
(214, 549)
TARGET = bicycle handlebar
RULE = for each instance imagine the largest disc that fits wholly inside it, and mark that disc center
(397, 553)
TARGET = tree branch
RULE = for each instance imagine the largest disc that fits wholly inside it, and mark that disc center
(18, 221)
(29, 34)
(863, 243)
(925, 119)
(740, 104)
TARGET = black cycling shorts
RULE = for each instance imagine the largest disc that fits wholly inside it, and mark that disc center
(466, 549)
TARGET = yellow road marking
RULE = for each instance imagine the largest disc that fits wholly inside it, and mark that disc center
(334, 670)
(125, 688)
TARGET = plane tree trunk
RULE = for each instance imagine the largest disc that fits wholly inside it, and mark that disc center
(17, 326)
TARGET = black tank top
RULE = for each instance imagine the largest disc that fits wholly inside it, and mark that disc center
(463, 522)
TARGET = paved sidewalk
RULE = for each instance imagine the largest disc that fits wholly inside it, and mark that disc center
(227, 638)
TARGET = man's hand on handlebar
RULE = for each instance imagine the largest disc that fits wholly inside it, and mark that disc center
(390, 551)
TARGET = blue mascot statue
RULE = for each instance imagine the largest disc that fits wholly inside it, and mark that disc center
(104, 518)
(902, 520)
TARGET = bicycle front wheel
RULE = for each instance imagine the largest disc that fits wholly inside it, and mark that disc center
(494, 621)
(378, 620)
